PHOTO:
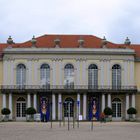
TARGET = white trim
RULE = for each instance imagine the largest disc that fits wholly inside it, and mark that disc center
(70, 50)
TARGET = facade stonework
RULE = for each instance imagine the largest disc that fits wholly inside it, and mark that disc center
(81, 80)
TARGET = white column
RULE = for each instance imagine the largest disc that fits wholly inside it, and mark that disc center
(35, 101)
(53, 107)
(85, 106)
(109, 100)
(59, 106)
(10, 105)
(78, 104)
(103, 102)
(3, 100)
(133, 101)
(28, 100)
(127, 106)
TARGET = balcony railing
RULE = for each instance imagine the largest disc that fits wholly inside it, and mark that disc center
(67, 88)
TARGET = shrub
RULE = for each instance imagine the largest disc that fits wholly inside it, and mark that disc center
(5, 111)
(30, 111)
(108, 111)
(131, 111)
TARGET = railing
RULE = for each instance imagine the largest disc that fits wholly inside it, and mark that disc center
(67, 87)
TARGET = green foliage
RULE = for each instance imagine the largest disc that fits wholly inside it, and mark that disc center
(5, 111)
(108, 111)
(30, 111)
(131, 111)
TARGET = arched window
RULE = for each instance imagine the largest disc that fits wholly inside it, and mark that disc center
(21, 74)
(116, 76)
(116, 107)
(69, 76)
(45, 74)
(93, 76)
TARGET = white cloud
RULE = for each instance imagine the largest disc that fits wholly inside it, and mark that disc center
(114, 18)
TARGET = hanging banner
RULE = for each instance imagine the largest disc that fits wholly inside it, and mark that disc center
(94, 108)
(44, 109)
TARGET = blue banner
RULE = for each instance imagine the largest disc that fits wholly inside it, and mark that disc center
(44, 109)
(94, 108)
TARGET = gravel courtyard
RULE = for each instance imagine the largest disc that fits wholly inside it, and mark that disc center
(43, 131)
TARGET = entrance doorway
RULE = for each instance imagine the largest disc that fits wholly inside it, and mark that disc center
(116, 107)
(21, 109)
(68, 106)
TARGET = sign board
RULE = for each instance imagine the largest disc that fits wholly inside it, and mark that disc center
(37, 117)
(80, 117)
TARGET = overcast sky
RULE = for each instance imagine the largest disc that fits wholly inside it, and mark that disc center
(115, 19)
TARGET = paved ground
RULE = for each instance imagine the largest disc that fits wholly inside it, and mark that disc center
(43, 131)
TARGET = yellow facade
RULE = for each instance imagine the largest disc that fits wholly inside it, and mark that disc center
(1, 81)
(129, 71)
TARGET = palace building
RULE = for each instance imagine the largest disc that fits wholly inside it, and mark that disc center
(80, 73)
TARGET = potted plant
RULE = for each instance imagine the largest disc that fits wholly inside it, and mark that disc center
(5, 112)
(131, 112)
(108, 113)
(30, 113)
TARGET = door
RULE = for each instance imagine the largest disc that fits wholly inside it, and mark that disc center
(21, 109)
(116, 107)
(68, 108)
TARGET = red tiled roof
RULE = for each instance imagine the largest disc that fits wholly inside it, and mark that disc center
(70, 41)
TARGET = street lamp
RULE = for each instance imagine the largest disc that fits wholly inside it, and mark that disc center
(51, 113)
(60, 107)
(78, 103)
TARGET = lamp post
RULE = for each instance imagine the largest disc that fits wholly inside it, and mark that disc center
(51, 113)
(60, 107)
(78, 103)
(92, 121)
(73, 116)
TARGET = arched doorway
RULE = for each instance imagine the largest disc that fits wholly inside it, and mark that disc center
(68, 106)
(117, 109)
(21, 109)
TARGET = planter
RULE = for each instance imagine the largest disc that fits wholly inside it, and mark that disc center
(132, 119)
(6, 118)
(29, 118)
